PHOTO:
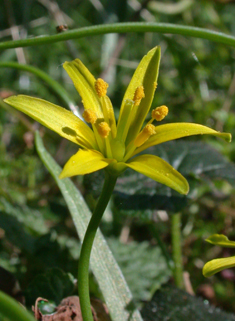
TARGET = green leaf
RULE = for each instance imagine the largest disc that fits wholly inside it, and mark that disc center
(31, 218)
(16, 234)
(12, 309)
(53, 285)
(144, 267)
(172, 304)
(107, 273)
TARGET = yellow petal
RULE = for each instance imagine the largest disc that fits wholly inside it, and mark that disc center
(146, 74)
(217, 265)
(159, 170)
(84, 82)
(221, 240)
(84, 162)
(167, 132)
(56, 118)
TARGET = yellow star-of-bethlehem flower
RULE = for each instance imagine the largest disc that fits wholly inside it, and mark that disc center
(217, 265)
(105, 143)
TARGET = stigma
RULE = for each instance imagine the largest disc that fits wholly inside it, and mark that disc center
(160, 113)
(144, 135)
(101, 87)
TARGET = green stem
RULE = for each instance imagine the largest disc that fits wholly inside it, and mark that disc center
(55, 86)
(177, 250)
(13, 310)
(125, 27)
(83, 269)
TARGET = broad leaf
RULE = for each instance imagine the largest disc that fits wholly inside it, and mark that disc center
(144, 267)
(53, 285)
(172, 304)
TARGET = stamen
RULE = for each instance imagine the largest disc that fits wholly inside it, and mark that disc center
(160, 113)
(139, 94)
(103, 129)
(101, 87)
(144, 135)
(90, 116)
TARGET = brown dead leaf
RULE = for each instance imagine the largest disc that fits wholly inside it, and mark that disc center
(69, 310)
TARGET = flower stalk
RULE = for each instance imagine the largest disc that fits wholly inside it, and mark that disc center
(83, 268)
(177, 249)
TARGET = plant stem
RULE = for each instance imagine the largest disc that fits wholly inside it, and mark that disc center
(176, 249)
(83, 268)
(125, 27)
(13, 310)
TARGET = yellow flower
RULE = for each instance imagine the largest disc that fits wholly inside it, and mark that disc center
(105, 143)
(217, 265)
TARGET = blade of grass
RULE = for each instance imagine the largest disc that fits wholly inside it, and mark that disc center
(108, 275)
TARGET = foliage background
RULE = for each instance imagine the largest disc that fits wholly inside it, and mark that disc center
(196, 82)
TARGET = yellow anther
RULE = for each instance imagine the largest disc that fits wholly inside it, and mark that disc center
(101, 87)
(90, 116)
(160, 113)
(144, 135)
(155, 85)
(103, 129)
(139, 94)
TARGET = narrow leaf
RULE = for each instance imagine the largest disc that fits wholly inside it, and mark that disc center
(11, 309)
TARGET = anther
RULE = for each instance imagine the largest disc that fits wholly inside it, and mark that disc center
(103, 129)
(144, 135)
(101, 87)
(160, 113)
(90, 116)
(139, 94)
